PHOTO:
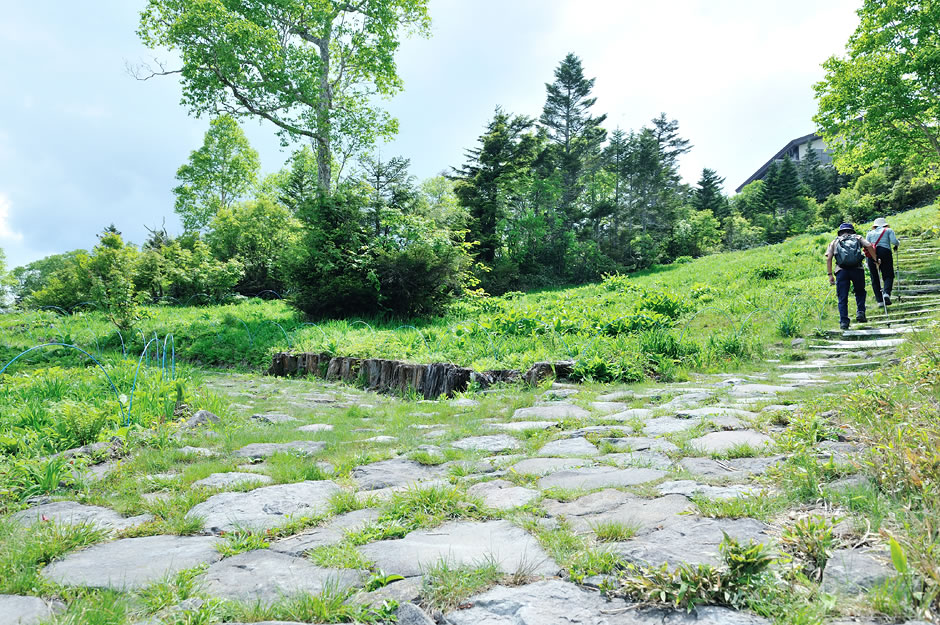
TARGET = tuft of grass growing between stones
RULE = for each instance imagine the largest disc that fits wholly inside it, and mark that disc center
(342, 555)
(96, 607)
(171, 590)
(242, 541)
(422, 507)
(288, 468)
(445, 585)
(762, 507)
(741, 450)
(329, 606)
(614, 531)
(24, 550)
(171, 515)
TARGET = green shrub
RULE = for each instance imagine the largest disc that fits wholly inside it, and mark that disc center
(767, 271)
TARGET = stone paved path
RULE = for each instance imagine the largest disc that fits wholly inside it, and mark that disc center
(643, 460)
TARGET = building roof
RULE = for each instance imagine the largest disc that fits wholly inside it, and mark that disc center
(763, 168)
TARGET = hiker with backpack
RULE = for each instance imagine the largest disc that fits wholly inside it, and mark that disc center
(848, 250)
(883, 238)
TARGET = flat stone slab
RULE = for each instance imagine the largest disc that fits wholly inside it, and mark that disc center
(18, 610)
(493, 443)
(329, 534)
(555, 411)
(736, 468)
(716, 411)
(606, 407)
(257, 451)
(464, 402)
(689, 488)
(599, 477)
(693, 540)
(759, 389)
(520, 426)
(668, 425)
(132, 563)
(569, 447)
(273, 418)
(544, 466)
(316, 427)
(503, 495)
(651, 459)
(853, 571)
(380, 439)
(617, 396)
(232, 478)
(556, 602)
(607, 506)
(74, 513)
(264, 508)
(195, 451)
(718, 442)
(462, 542)
(641, 443)
(630, 414)
(267, 576)
(395, 473)
(551, 602)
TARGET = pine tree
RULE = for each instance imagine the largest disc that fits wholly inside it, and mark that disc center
(813, 175)
(787, 187)
(576, 134)
(671, 145)
(494, 176)
(708, 195)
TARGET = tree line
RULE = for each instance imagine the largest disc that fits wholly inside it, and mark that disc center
(556, 198)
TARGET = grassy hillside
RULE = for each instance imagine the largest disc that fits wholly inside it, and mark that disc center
(709, 313)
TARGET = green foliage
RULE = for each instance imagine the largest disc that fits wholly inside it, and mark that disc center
(317, 68)
(878, 103)
(811, 540)
(257, 235)
(737, 583)
(444, 586)
(216, 175)
(241, 541)
(768, 271)
(341, 268)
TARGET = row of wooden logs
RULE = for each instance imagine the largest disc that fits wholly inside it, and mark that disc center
(396, 376)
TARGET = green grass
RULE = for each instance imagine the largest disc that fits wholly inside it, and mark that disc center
(445, 585)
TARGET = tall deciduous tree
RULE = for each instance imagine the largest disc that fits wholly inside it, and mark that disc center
(576, 133)
(314, 68)
(216, 175)
(880, 103)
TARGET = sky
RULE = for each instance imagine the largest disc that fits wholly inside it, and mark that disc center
(83, 144)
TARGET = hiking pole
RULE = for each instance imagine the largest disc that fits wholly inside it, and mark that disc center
(897, 270)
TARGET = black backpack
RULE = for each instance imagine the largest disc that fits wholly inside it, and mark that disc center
(848, 251)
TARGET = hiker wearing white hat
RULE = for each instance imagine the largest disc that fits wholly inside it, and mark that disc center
(883, 238)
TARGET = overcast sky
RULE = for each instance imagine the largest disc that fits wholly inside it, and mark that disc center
(82, 144)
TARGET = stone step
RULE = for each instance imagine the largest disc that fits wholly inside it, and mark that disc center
(850, 334)
(900, 320)
(917, 308)
(828, 364)
(859, 344)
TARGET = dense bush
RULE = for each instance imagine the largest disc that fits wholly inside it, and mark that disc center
(341, 268)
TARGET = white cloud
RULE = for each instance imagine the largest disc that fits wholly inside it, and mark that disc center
(6, 233)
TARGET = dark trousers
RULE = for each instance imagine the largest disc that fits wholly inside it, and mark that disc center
(855, 277)
(887, 272)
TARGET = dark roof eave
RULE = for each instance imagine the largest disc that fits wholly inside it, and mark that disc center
(763, 168)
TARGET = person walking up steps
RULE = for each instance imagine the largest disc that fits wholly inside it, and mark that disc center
(883, 238)
(848, 251)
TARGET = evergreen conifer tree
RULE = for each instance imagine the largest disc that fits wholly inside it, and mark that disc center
(708, 195)
(575, 133)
